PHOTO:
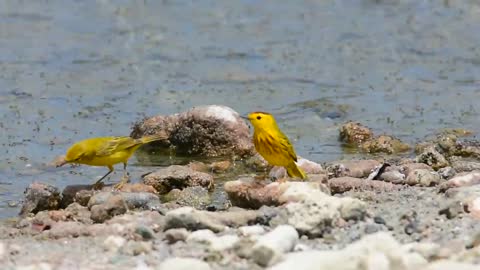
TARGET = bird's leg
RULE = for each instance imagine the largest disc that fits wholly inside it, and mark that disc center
(99, 184)
(125, 179)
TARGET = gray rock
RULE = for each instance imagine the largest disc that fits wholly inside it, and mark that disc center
(372, 252)
(393, 176)
(177, 177)
(69, 194)
(271, 247)
(132, 200)
(422, 177)
(211, 130)
(447, 172)
(317, 212)
(183, 264)
(192, 219)
(196, 197)
(465, 165)
(115, 205)
(39, 197)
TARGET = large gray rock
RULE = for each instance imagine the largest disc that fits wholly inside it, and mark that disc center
(372, 252)
(311, 212)
(177, 177)
(211, 130)
(192, 219)
(39, 197)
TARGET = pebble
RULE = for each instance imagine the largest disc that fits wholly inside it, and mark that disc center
(271, 246)
(183, 264)
(114, 243)
(253, 230)
(175, 235)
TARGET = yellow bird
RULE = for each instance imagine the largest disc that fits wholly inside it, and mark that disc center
(273, 145)
(107, 151)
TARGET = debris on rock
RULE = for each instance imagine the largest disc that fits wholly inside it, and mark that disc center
(212, 130)
(177, 177)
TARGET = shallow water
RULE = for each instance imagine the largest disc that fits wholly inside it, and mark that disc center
(91, 68)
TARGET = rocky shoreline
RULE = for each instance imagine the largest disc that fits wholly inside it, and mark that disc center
(392, 212)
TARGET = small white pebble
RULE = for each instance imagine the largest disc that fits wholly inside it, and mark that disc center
(224, 242)
(251, 230)
(113, 243)
(202, 236)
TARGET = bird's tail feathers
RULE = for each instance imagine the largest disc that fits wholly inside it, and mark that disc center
(295, 172)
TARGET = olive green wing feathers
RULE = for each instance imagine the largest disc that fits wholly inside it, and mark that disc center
(115, 144)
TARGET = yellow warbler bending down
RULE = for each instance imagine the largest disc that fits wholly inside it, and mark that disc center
(273, 145)
(107, 151)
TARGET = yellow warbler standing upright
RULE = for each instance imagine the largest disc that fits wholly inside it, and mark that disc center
(273, 145)
(107, 151)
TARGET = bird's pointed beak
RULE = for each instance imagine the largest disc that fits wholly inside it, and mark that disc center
(244, 117)
(59, 161)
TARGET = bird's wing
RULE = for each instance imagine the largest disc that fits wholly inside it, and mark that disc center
(116, 144)
(288, 147)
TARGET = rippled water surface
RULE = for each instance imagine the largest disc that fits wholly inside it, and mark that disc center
(76, 69)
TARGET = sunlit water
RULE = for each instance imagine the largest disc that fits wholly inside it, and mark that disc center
(71, 70)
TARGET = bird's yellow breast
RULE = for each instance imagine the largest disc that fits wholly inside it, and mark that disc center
(269, 146)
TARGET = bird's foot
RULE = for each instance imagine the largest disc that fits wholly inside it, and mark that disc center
(125, 179)
(98, 185)
(282, 180)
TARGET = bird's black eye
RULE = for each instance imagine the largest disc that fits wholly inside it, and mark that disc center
(259, 117)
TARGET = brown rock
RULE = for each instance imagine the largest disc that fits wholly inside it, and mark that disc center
(177, 177)
(423, 177)
(198, 166)
(344, 184)
(433, 158)
(250, 193)
(461, 180)
(220, 166)
(355, 133)
(211, 130)
(352, 168)
(138, 187)
(385, 144)
(410, 167)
